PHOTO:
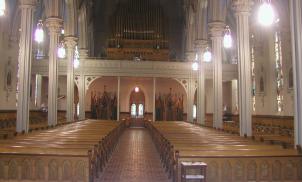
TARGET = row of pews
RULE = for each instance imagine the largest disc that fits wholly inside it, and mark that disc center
(74, 152)
(270, 129)
(37, 121)
(228, 157)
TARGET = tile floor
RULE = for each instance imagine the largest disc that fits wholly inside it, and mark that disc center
(135, 159)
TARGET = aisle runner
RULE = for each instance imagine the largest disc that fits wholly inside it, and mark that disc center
(134, 160)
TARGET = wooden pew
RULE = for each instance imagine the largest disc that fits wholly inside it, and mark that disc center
(229, 157)
(73, 152)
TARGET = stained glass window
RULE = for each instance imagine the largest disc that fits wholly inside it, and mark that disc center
(279, 71)
(141, 110)
(253, 73)
(194, 111)
(133, 110)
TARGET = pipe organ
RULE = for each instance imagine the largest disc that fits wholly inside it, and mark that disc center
(138, 31)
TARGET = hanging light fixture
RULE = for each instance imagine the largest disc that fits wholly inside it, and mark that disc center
(195, 66)
(76, 61)
(61, 50)
(2, 7)
(39, 33)
(136, 89)
(195, 63)
(266, 14)
(207, 56)
(227, 39)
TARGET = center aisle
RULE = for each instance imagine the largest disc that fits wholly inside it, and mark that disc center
(135, 159)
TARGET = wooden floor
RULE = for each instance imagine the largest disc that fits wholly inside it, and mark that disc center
(135, 159)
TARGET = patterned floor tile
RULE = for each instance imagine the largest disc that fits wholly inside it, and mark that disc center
(135, 159)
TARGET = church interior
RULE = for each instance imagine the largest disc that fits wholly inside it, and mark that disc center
(151, 90)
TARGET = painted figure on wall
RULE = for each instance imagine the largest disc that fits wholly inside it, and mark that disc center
(103, 106)
(8, 76)
(169, 107)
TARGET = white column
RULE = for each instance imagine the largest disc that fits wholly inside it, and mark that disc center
(242, 9)
(25, 56)
(83, 40)
(216, 32)
(70, 48)
(154, 98)
(54, 26)
(82, 97)
(39, 90)
(234, 96)
(190, 99)
(118, 97)
(201, 46)
(296, 29)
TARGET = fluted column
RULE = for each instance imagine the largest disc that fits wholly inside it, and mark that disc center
(83, 36)
(201, 46)
(54, 26)
(242, 10)
(296, 29)
(25, 56)
(82, 97)
(216, 32)
(39, 90)
(70, 49)
(190, 99)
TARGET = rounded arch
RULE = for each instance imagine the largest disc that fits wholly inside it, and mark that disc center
(142, 89)
(137, 103)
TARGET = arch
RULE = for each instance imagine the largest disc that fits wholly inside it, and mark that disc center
(80, 171)
(40, 172)
(143, 90)
(101, 96)
(137, 99)
(67, 170)
(53, 170)
(227, 171)
(277, 167)
(252, 171)
(2, 167)
(26, 170)
(12, 170)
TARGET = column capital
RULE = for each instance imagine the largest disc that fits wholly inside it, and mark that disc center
(83, 53)
(27, 3)
(242, 6)
(201, 44)
(216, 28)
(54, 24)
(71, 42)
(190, 56)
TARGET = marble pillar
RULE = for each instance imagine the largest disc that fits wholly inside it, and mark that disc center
(54, 26)
(201, 46)
(242, 12)
(82, 97)
(216, 33)
(296, 29)
(25, 56)
(71, 43)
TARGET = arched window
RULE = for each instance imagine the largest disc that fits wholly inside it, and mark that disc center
(133, 110)
(141, 110)
(194, 111)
